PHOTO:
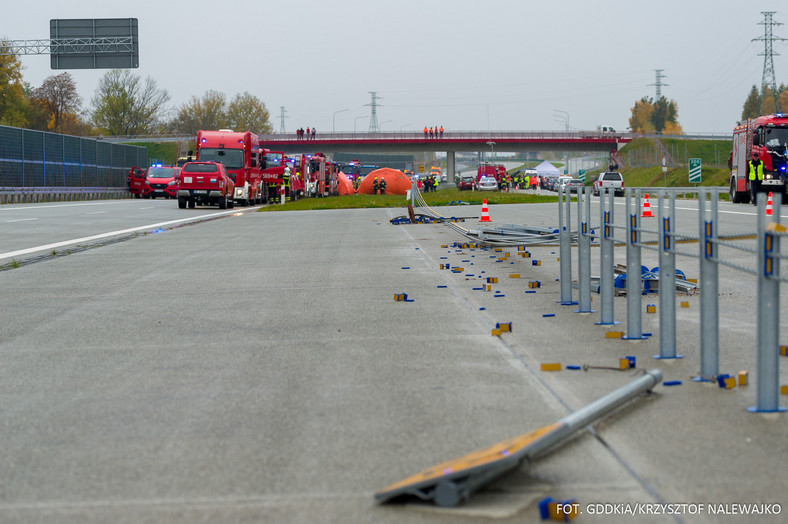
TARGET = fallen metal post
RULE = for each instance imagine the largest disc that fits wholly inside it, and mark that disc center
(450, 483)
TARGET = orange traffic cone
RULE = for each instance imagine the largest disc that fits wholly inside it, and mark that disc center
(769, 205)
(485, 212)
(646, 209)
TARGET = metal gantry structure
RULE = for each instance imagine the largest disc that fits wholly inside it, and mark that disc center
(61, 46)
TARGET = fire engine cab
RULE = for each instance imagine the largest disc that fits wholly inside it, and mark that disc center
(768, 137)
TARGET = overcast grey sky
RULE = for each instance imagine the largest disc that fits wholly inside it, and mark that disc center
(463, 64)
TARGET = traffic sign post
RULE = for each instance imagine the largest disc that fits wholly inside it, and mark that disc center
(581, 174)
(694, 170)
(665, 170)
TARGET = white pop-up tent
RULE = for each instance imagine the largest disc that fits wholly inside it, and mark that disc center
(546, 169)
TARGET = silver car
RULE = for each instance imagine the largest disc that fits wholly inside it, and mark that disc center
(487, 183)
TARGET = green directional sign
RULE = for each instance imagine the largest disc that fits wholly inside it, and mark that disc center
(581, 174)
(694, 170)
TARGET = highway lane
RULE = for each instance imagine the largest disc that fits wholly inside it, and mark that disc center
(257, 368)
(30, 229)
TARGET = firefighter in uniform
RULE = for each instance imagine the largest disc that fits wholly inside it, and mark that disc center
(755, 176)
(382, 186)
(286, 181)
(375, 186)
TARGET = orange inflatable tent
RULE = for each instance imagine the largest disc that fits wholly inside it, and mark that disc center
(345, 186)
(396, 182)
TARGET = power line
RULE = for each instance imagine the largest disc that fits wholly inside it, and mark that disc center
(768, 54)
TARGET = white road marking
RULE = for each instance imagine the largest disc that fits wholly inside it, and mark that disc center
(21, 220)
(56, 245)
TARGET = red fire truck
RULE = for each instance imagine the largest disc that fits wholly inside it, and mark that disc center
(768, 136)
(497, 171)
(240, 155)
(275, 163)
(321, 178)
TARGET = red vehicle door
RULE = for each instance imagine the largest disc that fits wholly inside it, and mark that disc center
(136, 181)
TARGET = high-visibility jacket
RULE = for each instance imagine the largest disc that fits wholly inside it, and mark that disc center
(756, 169)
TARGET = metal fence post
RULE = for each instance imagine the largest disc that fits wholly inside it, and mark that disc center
(606, 278)
(565, 247)
(667, 278)
(709, 283)
(583, 251)
(634, 272)
(768, 309)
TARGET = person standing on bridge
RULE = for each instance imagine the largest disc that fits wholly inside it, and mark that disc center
(314, 131)
(441, 131)
(430, 132)
(425, 131)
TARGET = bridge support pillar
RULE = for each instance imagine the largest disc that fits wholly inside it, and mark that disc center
(450, 169)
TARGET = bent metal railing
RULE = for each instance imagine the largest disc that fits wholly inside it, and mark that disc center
(766, 268)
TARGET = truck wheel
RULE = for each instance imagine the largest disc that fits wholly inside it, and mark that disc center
(223, 202)
(181, 203)
(231, 203)
(192, 203)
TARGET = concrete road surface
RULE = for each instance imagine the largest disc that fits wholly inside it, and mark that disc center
(256, 368)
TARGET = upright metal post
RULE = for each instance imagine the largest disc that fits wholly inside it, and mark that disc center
(667, 278)
(565, 247)
(634, 273)
(768, 309)
(584, 251)
(709, 300)
(606, 278)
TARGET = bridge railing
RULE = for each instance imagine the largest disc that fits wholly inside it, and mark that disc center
(451, 135)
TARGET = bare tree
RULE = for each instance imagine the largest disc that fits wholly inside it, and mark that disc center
(58, 97)
(125, 105)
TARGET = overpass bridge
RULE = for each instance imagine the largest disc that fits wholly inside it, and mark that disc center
(449, 142)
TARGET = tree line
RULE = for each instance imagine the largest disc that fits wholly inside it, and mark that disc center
(123, 104)
(758, 104)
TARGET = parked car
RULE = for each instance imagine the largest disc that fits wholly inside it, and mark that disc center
(609, 180)
(161, 181)
(562, 181)
(487, 183)
(466, 182)
(205, 183)
(573, 185)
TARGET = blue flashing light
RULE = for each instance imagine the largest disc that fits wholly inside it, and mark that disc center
(204, 140)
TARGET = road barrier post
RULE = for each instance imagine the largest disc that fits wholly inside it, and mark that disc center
(606, 274)
(583, 251)
(667, 277)
(634, 273)
(565, 247)
(709, 283)
(768, 308)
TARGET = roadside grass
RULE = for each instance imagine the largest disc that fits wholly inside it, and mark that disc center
(442, 197)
